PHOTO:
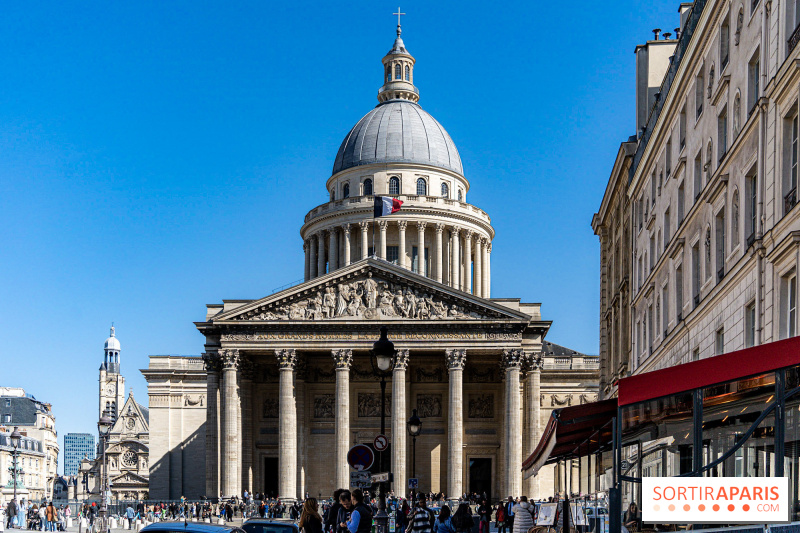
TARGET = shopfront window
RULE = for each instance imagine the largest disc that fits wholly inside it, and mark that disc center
(791, 461)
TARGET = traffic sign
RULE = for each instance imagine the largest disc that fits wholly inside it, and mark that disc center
(360, 480)
(360, 457)
(624, 465)
(380, 443)
(413, 483)
(383, 477)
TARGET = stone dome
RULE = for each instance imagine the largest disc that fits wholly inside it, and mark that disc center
(398, 131)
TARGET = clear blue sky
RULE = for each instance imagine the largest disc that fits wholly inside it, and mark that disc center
(158, 156)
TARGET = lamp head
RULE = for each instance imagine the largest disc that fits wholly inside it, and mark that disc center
(414, 424)
(384, 351)
(16, 436)
(104, 425)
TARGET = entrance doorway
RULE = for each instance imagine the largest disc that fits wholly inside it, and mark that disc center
(480, 476)
(271, 476)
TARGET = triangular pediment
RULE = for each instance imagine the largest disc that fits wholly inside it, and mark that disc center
(129, 478)
(131, 419)
(370, 289)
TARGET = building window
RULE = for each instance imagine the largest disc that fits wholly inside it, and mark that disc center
(398, 72)
(392, 254)
(668, 157)
(8, 403)
(445, 191)
(720, 238)
(7, 418)
(653, 188)
(652, 251)
(415, 266)
(333, 195)
(408, 73)
(650, 327)
(722, 133)
(724, 44)
(698, 94)
(681, 202)
(422, 187)
(698, 174)
(346, 191)
(789, 306)
(665, 310)
(719, 342)
(388, 73)
(790, 157)
(667, 234)
(696, 273)
(696, 354)
(460, 195)
(394, 185)
(679, 293)
(368, 187)
(753, 74)
(750, 325)
(735, 220)
(682, 128)
(751, 190)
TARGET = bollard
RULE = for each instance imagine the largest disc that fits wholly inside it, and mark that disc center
(69, 523)
(207, 520)
(221, 522)
(112, 523)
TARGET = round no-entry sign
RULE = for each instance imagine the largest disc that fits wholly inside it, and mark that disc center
(381, 443)
(360, 457)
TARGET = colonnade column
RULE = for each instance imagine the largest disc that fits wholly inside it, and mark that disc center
(467, 284)
(533, 391)
(246, 370)
(456, 359)
(231, 481)
(333, 249)
(454, 261)
(401, 249)
(439, 229)
(364, 225)
(312, 257)
(287, 426)
(512, 361)
(320, 253)
(346, 235)
(399, 421)
(212, 365)
(382, 249)
(306, 269)
(421, 248)
(477, 285)
(487, 287)
(342, 359)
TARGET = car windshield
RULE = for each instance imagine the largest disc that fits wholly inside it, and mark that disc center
(268, 528)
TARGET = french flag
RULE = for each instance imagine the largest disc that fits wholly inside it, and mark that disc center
(386, 205)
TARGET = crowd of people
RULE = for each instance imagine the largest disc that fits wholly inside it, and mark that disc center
(42, 517)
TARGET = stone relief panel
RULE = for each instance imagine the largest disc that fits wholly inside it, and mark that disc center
(194, 400)
(558, 400)
(368, 298)
(486, 375)
(429, 374)
(270, 408)
(480, 406)
(369, 404)
(587, 398)
(324, 406)
(429, 405)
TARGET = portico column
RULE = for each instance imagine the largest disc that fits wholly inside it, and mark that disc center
(420, 251)
(456, 359)
(439, 229)
(321, 253)
(364, 225)
(312, 259)
(333, 249)
(212, 365)
(488, 268)
(467, 284)
(512, 360)
(342, 359)
(401, 248)
(454, 260)
(287, 426)
(399, 421)
(230, 424)
(346, 235)
(246, 371)
(306, 269)
(477, 286)
(382, 250)
(533, 391)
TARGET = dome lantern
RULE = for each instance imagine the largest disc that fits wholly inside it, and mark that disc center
(398, 72)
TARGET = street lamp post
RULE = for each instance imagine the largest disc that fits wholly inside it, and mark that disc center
(103, 426)
(414, 425)
(16, 436)
(383, 351)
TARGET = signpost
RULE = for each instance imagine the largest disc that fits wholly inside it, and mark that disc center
(360, 480)
(383, 477)
(360, 457)
(381, 443)
(413, 483)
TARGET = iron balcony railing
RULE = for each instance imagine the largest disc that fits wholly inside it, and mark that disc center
(789, 201)
(720, 274)
(751, 239)
(696, 300)
(669, 77)
(794, 39)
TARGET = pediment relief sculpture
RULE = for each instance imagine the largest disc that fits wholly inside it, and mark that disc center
(367, 298)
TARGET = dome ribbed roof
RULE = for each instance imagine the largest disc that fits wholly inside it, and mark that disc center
(398, 131)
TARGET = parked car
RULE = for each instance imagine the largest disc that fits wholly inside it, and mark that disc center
(188, 527)
(268, 525)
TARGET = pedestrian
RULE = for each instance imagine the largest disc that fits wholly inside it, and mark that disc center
(462, 519)
(509, 510)
(310, 520)
(443, 523)
(332, 515)
(422, 518)
(500, 517)
(523, 516)
(130, 514)
(360, 513)
(401, 518)
(11, 513)
(484, 516)
(51, 515)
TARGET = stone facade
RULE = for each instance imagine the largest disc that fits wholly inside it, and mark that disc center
(713, 189)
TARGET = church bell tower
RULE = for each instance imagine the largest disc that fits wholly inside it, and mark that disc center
(112, 384)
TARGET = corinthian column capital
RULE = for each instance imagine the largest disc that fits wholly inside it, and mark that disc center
(212, 362)
(287, 358)
(364, 225)
(456, 359)
(229, 358)
(512, 359)
(342, 359)
(382, 224)
(401, 360)
(454, 231)
(439, 227)
(534, 361)
(468, 234)
(346, 228)
(421, 225)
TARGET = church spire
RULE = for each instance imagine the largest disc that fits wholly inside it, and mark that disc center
(398, 71)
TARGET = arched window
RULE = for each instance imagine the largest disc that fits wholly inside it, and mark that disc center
(346, 191)
(394, 185)
(368, 187)
(445, 191)
(422, 187)
(333, 195)
(398, 74)
(408, 73)
(460, 195)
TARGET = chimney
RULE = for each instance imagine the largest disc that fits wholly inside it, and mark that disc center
(684, 9)
(667, 35)
(677, 33)
(652, 62)
(656, 32)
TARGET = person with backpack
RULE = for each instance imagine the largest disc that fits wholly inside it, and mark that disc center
(422, 518)
(462, 519)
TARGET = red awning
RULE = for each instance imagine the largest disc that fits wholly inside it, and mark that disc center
(706, 372)
(573, 432)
